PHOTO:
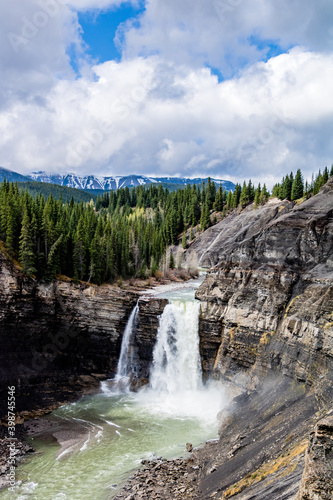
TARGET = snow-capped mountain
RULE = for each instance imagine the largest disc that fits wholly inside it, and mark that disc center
(111, 183)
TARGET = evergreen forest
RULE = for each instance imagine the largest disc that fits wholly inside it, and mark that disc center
(123, 233)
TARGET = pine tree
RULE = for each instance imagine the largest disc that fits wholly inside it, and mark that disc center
(96, 260)
(250, 191)
(297, 189)
(218, 203)
(205, 221)
(236, 195)
(53, 259)
(26, 250)
(276, 190)
(184, 240)
(257, 196)
(79, 251)
(244, 197)
(264, 195)
(229, 201)
(172, 261)
(286, 188)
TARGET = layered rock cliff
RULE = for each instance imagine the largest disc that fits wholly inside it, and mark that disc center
(270, 296)
(56, 339)
(267, 321)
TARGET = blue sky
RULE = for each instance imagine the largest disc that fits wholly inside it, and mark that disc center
(99, 30)
(233, 90)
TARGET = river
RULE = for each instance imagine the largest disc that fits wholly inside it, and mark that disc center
(105, 436)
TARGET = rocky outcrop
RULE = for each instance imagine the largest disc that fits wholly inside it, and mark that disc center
(215, 244)
(317, 480)
(269, 299)
(144, 338)
(267, 312)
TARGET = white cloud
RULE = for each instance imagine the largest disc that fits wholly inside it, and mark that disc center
(218, 32)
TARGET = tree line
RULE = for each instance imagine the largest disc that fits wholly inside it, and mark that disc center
(293, 188)
(124, 233)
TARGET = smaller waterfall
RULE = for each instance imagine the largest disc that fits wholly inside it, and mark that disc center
(125, 363)
(176, 360)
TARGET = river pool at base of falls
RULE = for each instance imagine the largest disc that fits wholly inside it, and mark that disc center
(105, 436)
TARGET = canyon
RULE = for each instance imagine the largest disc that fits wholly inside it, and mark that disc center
(265, 328)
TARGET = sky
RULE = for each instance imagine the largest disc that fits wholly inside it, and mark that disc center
(234, 89)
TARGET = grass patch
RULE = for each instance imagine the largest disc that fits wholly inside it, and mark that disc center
(282, 463)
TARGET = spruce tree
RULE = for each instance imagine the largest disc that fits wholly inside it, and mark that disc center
(184, 241)
(297, 189)
(325, 175)
(264, 195)
(286, 188)
(26, 250)
(236, 195)
(257, 196)
(244, 197)
(229, 203)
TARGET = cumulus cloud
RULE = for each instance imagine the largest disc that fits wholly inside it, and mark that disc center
(227, 34)
(160, 110)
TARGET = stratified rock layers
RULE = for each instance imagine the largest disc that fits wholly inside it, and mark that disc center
(267, 312)
(267, 305)
(317, 480)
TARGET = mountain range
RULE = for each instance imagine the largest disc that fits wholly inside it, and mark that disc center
(94, 182)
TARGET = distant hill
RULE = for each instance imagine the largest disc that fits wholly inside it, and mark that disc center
(34, 188)
(11, 176)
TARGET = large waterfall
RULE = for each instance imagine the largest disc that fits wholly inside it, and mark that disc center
(176, 360)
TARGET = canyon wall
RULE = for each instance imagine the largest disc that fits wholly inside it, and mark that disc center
(267, 325)
(267, 304)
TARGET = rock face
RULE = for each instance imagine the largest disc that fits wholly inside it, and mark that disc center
(317, 480)
(268, 302)
(144, 338)
(61, 339)
(54, 337)
(267, 311)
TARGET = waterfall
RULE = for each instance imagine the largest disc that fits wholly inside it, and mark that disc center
(125, 363)
(176, 360)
